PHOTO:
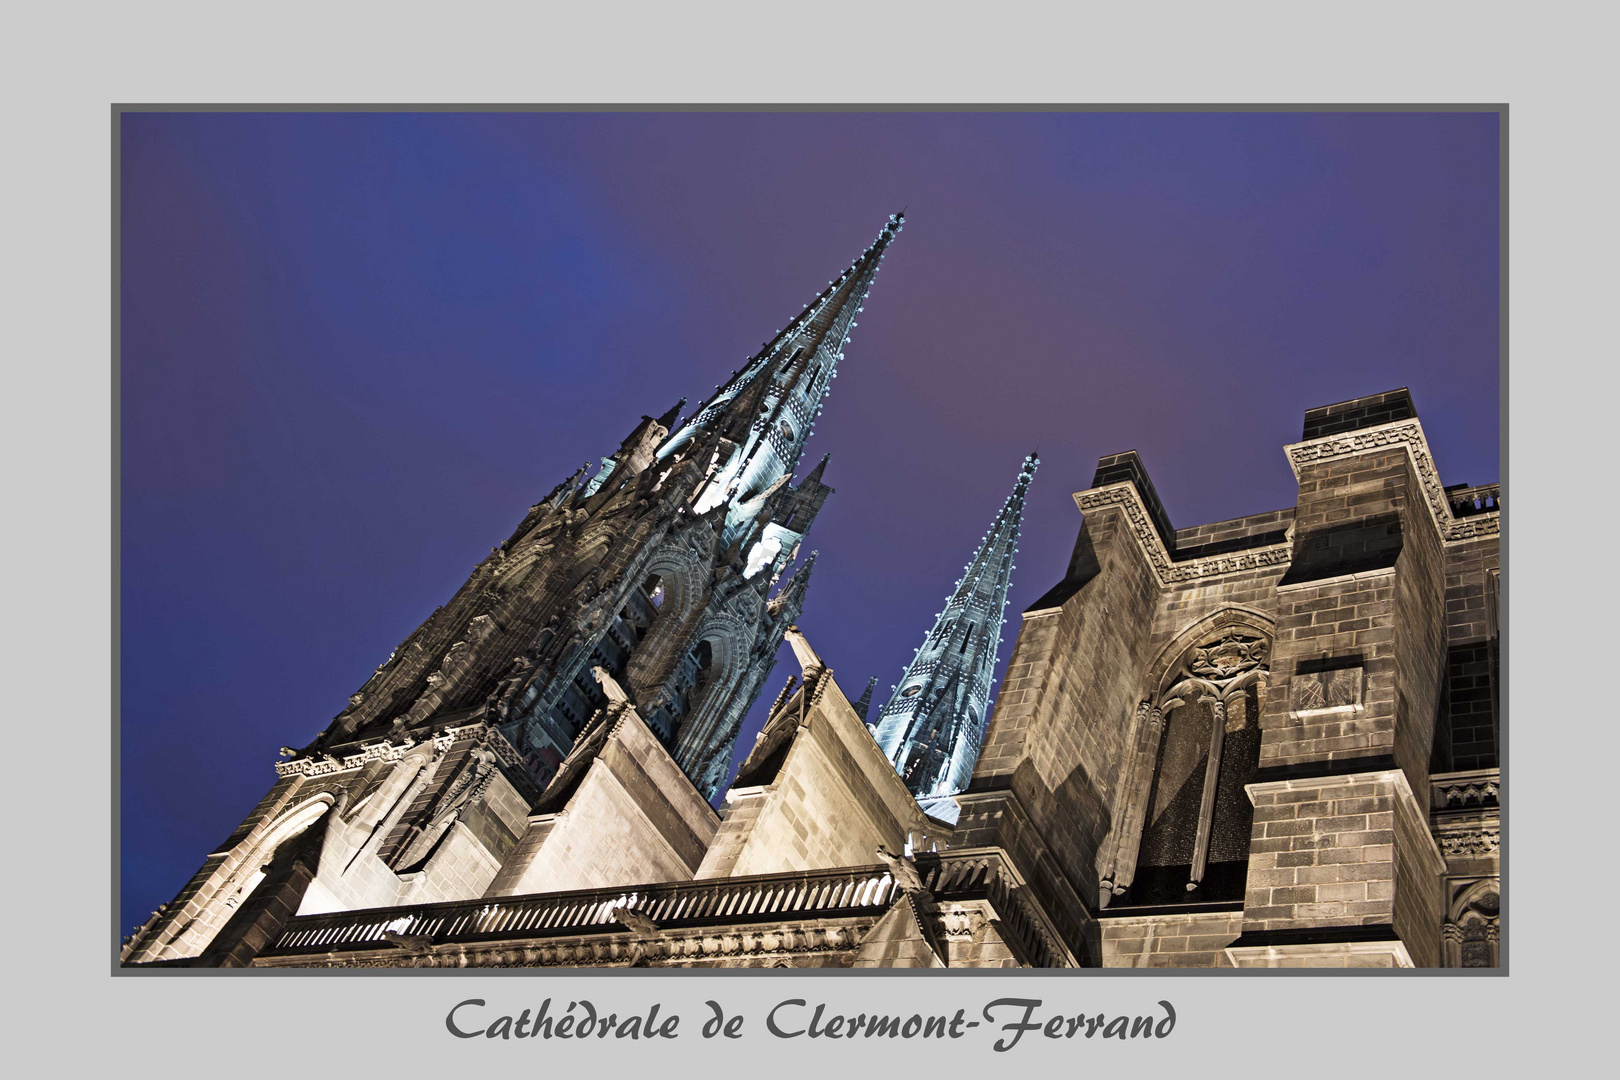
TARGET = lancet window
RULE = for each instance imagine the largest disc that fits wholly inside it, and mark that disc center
(1200, 737)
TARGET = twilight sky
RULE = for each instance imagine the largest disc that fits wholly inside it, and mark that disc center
(356, 348)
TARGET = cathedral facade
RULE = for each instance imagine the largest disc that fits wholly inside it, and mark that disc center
(1265, 742)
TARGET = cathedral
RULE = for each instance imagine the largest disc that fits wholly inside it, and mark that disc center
(1264, 742)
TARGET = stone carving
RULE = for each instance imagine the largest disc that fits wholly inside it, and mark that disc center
(1326, 693)
(392, 749)
(1228, 656)
(903, 869)
(1472, 932)
(1465, 791)
(691, 948)
(1471, 844)
(962, 922)
(610, 687)
(412, 943)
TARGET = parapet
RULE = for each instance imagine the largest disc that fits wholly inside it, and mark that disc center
(1358, 413)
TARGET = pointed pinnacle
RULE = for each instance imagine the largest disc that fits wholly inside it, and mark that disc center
(667, 421)
(817, 472)
(864, 705)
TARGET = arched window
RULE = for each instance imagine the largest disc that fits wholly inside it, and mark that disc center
(1201, 741)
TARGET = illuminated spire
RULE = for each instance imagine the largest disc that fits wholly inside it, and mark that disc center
(767, 409)
(932, 727)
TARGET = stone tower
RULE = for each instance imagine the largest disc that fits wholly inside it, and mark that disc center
(659, 579)
(933, 725)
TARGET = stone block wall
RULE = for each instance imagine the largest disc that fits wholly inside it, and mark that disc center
(738, 817)
(1419, 880)
(1238, 534)
(1472, 690)
(634, 819)
(1182, 940)
(1420, 637)
(1363, 412)
(1323, 852)
(1342, 623)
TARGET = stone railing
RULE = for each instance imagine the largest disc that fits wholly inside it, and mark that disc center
(1476, 789)
(985, 875)
(1475, 500)
(772, 898)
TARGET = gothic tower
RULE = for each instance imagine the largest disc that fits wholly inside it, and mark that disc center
(663, 578)
(932, 727)
(658, 570)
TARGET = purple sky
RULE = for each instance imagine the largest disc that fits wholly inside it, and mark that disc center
(356, 348)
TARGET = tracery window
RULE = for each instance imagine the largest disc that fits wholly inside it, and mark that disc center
(1197, 817)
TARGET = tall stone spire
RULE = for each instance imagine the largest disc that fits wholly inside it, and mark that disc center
(932, 727)
(764, 413)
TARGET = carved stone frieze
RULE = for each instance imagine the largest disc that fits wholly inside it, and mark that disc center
(394, 749)
(1465, 791)
(961, 922)
(1471, 843)
(1227, 656)
(1167, 570)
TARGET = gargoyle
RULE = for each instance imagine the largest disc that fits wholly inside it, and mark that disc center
(414, 943)
(638, 923)
(903, 869)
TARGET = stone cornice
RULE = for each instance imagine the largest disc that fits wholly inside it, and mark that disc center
(1165, 568)
(1406, 435)
(392, 750)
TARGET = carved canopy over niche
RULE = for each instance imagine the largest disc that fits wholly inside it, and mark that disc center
(1471, 935)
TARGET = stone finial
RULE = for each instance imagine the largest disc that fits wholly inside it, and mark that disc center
(807, 656)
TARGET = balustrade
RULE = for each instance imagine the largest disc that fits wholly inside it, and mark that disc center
(1475, 500)
(681, 905)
